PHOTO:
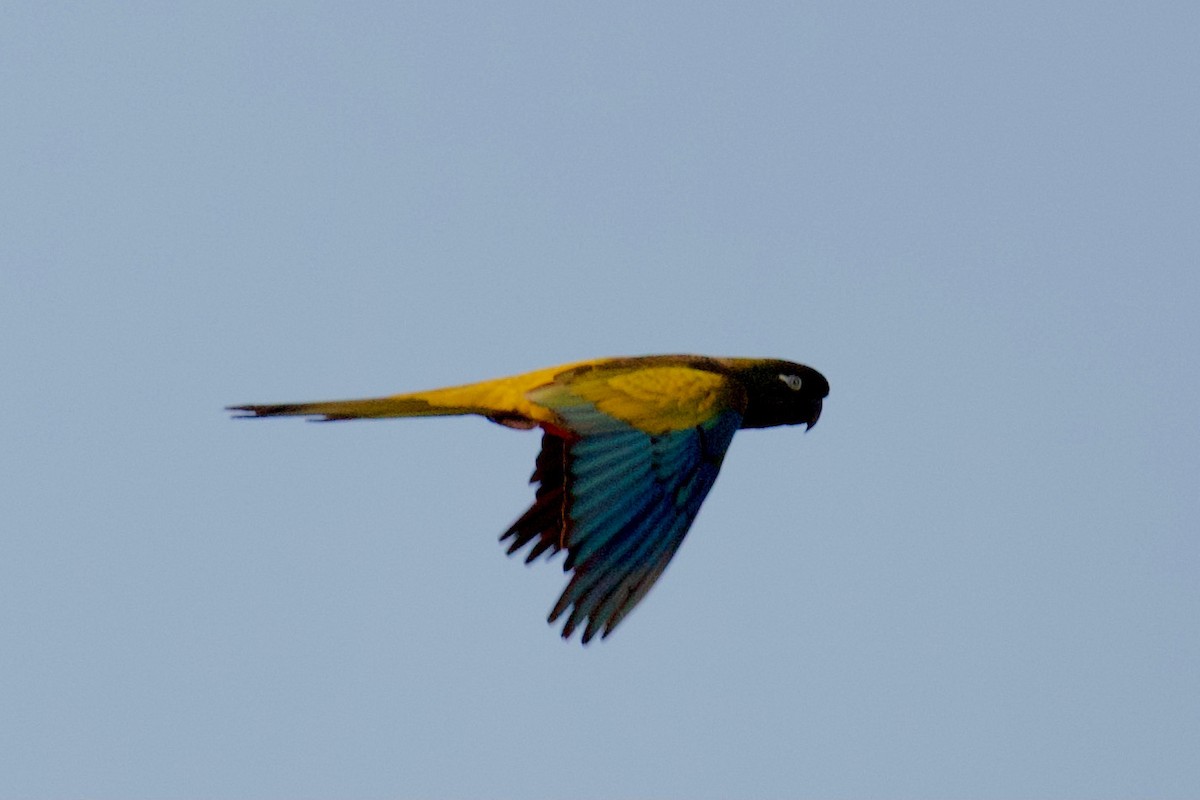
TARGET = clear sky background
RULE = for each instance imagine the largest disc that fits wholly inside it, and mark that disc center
(976, 577)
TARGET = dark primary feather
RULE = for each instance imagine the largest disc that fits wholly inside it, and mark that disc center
(546, 519)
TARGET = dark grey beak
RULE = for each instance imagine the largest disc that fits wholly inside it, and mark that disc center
(815, 411)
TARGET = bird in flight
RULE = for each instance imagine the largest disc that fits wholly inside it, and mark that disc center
(630, 448)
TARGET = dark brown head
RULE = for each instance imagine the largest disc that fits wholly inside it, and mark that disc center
(781, 393)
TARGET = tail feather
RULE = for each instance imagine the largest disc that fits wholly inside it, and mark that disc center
(375, 407)
(504, 400)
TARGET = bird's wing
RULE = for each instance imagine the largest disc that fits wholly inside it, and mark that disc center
(619, 498)
(653, 399)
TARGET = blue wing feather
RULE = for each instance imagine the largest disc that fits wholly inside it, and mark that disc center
(620, 502)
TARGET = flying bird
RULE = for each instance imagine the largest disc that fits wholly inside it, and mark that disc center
(630, 448)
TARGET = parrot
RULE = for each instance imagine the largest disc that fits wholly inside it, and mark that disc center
(630, 448)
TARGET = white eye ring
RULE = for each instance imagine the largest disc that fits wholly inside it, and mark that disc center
(793, 381)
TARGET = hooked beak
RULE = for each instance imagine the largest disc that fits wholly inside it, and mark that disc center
(815, 411)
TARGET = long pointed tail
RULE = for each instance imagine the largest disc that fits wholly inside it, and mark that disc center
(503, 400)
(373, 407)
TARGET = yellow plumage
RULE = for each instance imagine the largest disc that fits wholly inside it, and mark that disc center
(664, 395)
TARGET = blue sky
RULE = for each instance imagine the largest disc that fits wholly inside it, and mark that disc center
(976, 577)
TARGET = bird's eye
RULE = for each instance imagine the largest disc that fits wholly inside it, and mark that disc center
(793, 381)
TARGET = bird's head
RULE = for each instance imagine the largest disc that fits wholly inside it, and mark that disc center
(781, 393)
